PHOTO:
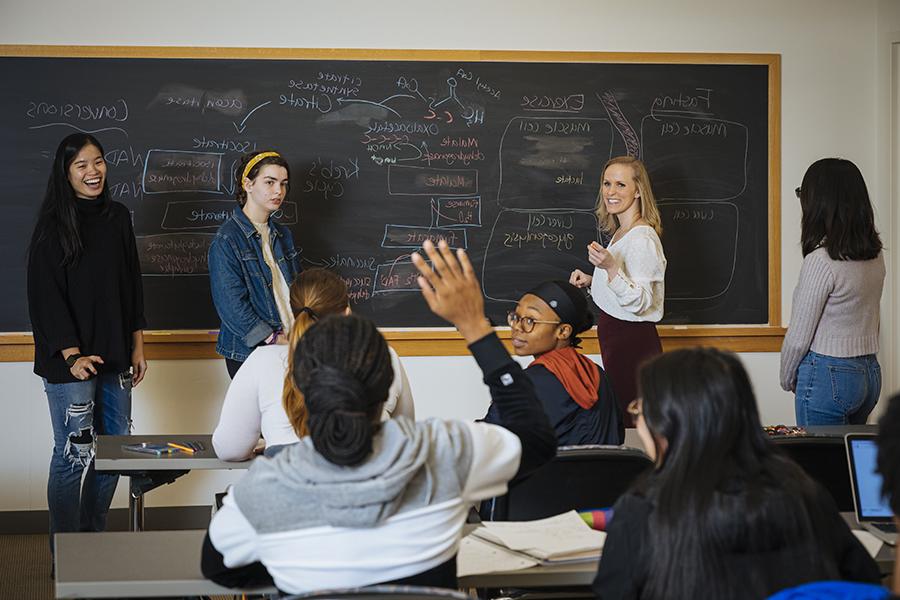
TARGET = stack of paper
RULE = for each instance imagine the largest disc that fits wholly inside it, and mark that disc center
(554, 540)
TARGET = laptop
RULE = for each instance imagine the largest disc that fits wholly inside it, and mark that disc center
(873, 512)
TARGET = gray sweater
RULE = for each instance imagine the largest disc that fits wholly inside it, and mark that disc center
(835, 311)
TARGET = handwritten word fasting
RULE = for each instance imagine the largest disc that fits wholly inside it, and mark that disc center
(683, 101)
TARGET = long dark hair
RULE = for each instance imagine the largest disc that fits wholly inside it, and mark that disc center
(837, 212)
(58, 217)
(721, 487)
(889, 452)
(342, 367)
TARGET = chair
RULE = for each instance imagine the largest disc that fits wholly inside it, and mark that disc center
(824, 458)
(383, 592)
(579, 478)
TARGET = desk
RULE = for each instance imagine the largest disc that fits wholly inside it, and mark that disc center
(124, 564)
(141, 564)
(147, 471)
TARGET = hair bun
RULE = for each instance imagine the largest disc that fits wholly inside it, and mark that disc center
(339, 423)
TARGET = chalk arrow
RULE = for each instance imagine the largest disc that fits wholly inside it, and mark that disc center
(240, 128)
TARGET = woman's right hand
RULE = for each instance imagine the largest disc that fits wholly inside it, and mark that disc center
(84, 368)
(580, 279)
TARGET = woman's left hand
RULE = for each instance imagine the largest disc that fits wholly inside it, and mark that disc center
(138, 362)
(601, 258)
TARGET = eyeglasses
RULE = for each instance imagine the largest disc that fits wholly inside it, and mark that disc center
(526, 324)
(634, 408)
(797, 191)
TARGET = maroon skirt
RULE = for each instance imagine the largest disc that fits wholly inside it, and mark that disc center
(624, 345)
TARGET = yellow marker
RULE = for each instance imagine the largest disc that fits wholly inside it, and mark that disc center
(180, 447)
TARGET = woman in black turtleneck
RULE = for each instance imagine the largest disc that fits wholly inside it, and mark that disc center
(87, 311)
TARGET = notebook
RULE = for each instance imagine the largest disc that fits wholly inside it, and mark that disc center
(873, 512)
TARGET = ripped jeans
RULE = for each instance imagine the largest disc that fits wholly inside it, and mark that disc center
(78, 412)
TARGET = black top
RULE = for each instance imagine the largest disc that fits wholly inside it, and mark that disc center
(95, 304)
(574, 425)
(625, 562)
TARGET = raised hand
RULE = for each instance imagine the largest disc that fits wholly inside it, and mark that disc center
(451, 289)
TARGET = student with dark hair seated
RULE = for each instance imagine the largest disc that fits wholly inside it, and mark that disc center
(724, 514)
(889, 466)
(360, 501)
(575, 392)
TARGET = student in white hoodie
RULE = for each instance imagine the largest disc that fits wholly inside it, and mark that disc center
(360, 501)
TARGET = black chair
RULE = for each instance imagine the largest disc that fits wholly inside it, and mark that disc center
(383, 592)
(824, 458)
(579, 478)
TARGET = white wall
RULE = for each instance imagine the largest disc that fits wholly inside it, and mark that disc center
(833, 89)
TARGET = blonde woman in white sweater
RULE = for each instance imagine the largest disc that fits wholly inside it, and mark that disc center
(828, 358)
(628, 281)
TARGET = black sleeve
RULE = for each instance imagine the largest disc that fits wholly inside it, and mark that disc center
(513, 394)
(134, 267)
(212, 565)
(625, 558)
(48, 305)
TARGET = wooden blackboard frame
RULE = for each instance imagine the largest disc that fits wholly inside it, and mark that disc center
(444, 341)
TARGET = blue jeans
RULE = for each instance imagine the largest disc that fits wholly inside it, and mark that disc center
(78, 412)
(836, 391)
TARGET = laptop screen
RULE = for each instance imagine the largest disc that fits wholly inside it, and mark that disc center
(871, 505)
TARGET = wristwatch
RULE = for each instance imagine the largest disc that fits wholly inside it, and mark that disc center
(70, 359)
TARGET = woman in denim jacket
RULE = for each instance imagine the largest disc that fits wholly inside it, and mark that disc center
(252, 262)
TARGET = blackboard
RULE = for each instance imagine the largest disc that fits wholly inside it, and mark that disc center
(501, 156)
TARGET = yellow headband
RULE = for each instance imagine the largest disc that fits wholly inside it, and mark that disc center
(254, 160)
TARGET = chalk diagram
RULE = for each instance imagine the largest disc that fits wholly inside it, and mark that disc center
(697, 194)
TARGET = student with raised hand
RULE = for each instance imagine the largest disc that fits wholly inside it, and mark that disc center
(263, 392)
(575, 392)
(828, 358)
(724, 514)
(85, 299)
(360, 501)
(628, 283)
(252, 261)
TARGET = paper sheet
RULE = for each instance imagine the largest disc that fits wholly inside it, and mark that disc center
(871, 543)
(477, 557)
(554, 537)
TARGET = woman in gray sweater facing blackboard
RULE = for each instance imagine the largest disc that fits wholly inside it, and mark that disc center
(828, 357)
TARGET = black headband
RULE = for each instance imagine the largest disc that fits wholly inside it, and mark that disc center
(567, 301)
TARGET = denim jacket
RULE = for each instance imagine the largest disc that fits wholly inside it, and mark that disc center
(241, 283)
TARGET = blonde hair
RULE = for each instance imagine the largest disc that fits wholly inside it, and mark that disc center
(315, 293)
(649, 212)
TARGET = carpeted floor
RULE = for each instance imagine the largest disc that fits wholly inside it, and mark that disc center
(25, 567)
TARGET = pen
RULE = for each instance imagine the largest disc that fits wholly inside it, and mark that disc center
(180, 447)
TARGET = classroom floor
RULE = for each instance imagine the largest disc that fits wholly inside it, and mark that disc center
(25, 567)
